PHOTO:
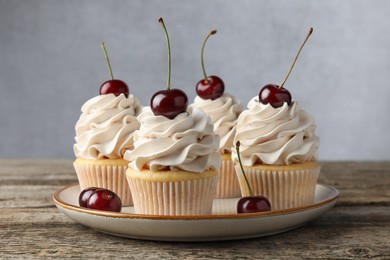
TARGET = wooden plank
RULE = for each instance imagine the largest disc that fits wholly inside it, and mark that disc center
(344, 232)
(27, 196)
(360, 183)
(36, 172)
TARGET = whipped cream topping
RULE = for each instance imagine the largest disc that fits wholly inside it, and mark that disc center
(106, 126)
(279, 136)
(187, 142)
(223, 113)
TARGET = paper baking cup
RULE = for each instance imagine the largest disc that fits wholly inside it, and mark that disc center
(173, 198)
(228, 186)
(283, 188)
(112, 177)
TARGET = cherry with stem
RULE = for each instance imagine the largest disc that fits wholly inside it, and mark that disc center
(276, 95)
(252, 203)
(168, 102)
(210, 87)
(112, 86)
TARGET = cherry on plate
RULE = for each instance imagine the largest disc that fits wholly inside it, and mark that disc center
(84, 196)
(103, 199)
(252, 204)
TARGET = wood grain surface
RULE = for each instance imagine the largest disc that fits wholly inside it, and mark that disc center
(32, 227)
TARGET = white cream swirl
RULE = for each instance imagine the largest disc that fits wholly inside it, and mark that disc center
(186, 142)
(106, 126)
(223, 113)
(279, 136)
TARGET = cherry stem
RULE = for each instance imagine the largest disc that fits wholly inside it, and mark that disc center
(108, 61)
(201, 53)
(296, 57)
(161, 21)
(242, 167)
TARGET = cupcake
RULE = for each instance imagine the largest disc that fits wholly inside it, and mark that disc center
(173, 166)
(279, 153)
(223, 112)
(104, 132)
(278, 147)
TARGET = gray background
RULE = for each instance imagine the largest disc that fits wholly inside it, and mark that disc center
(51, 63)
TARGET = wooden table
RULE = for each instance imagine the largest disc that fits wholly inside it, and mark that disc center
(32, 227)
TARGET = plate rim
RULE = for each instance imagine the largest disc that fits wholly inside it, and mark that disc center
(125, 215)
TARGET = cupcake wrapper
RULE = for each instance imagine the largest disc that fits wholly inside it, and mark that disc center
(284, 189)
(105, 176)
(227, 186)
(191, 197)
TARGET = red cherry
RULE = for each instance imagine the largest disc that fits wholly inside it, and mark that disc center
(169, 103)
(84, 196)
(274, 95)
(253, 204)
(103, 199)
(114, 86)
(250, 203)
(212, 89)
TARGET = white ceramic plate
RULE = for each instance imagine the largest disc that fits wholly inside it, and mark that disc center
(223, 224)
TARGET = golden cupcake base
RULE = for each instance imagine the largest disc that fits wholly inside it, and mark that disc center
(172, 193)
(106, 173)
(285, 186)
(228, 186)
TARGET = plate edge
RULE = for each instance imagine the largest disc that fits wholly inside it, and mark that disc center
(63, 204)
